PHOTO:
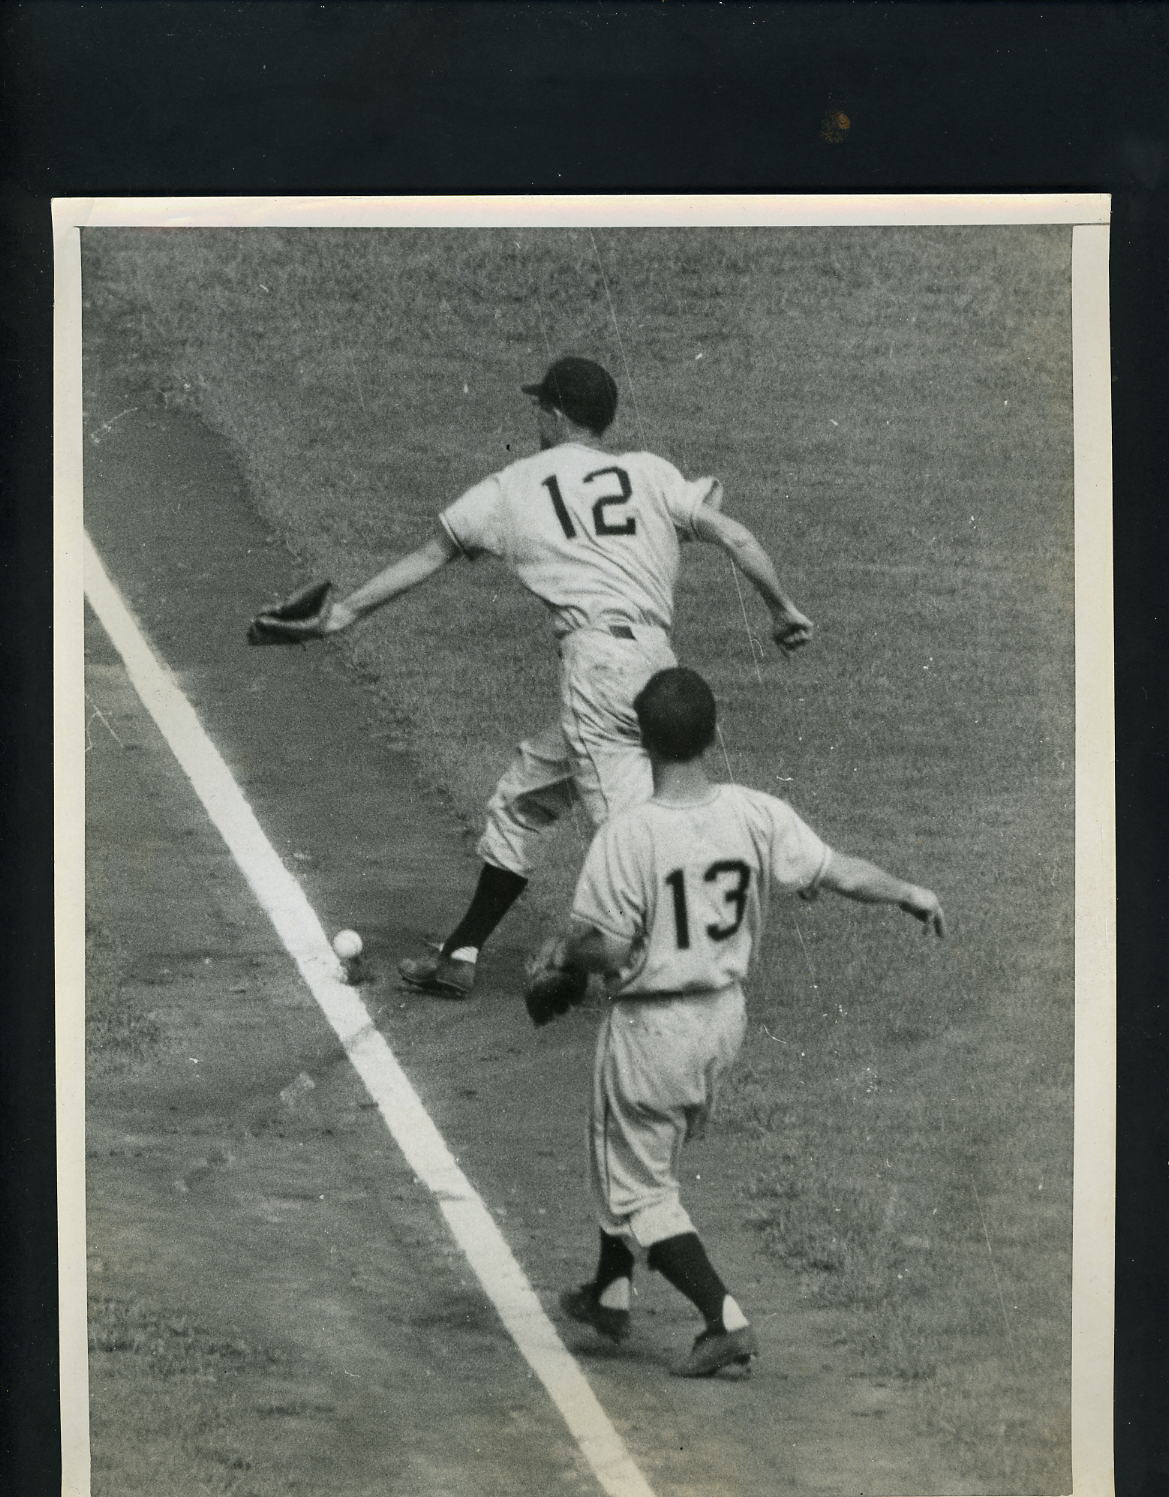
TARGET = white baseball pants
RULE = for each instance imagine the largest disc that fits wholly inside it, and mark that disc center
(593, 754)
(659, 1063)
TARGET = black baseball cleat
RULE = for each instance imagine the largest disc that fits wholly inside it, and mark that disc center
(714, 1349)
(438, 974)
(583, 1305)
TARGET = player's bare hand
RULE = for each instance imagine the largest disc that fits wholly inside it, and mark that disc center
(924, 905)
(790, 629)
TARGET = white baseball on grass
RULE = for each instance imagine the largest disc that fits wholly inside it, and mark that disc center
(347, 944)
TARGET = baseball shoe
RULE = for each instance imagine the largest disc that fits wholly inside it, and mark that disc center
(714, 1349)
(582, 1304)
(438, 974)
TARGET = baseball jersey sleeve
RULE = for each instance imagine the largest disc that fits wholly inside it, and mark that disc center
(611, 890)
(798, 856)
(684, 497)
(475, 521)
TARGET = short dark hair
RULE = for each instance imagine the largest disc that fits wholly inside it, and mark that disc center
(676, 714)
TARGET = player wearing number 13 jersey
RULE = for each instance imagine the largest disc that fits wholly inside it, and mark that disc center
(670, 906)
(688, 882)
(596, 536)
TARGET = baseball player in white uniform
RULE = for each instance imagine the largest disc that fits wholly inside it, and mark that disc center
(595, 536)
(670, 905)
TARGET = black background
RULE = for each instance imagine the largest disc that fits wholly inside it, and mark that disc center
(268, 97)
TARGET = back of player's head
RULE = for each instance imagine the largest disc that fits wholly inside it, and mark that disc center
(582, 389)
(676, 714)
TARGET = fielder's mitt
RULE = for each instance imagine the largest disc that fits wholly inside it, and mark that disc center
(550, 987)
(297, 619)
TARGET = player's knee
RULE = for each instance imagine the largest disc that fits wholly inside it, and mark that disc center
(507, 845)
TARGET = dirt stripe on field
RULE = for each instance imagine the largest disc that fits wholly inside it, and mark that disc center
(206, 1187)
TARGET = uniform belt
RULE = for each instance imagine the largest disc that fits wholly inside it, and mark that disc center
(665, 995)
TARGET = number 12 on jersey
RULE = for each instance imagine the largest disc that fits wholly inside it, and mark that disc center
(734, 894)
(602, 524)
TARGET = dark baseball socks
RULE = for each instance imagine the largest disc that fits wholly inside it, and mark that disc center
(682, 1262)
(613, 1280)
(496, 892)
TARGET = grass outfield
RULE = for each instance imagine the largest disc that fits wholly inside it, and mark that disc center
(890, 411)
(118, 1032)
(163, 1374)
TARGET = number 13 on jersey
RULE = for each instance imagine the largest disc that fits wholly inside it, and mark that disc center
(732, 879)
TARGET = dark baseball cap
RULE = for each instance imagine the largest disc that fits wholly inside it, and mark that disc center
(586, 393)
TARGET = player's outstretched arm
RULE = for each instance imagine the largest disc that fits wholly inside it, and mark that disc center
(399, 577)
(856, 878)
(789, 627)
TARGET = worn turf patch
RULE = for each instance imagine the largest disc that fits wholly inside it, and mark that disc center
(118, 1031)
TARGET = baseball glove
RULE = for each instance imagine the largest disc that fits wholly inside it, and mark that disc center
(297, 619)
(550, 987)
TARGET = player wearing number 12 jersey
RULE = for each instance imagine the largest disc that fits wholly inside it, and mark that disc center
(670, 905)
(596, 536)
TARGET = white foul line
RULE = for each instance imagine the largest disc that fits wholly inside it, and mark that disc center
(424, 1148)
